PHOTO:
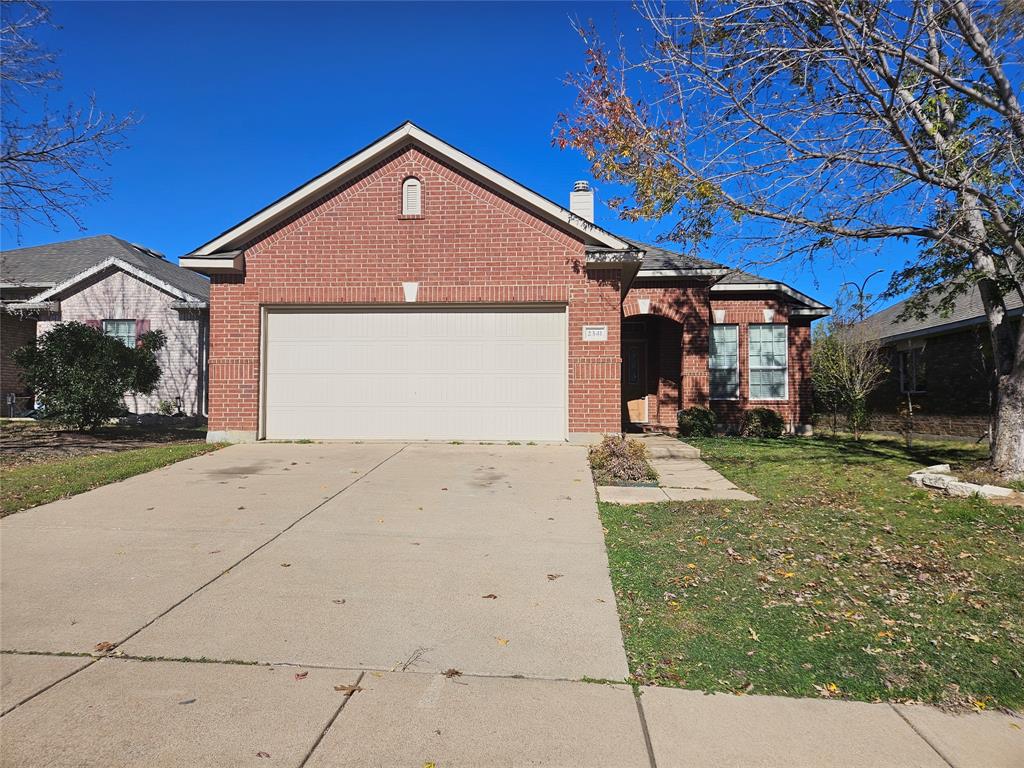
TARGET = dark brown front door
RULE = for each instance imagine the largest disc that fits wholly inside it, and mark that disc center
(634, 380)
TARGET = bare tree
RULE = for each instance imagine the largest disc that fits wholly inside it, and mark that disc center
(51, 161)
(847, 365)
(799, 124)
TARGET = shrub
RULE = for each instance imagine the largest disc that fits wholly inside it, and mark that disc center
(617, 460)
(80, 375)
(762, 422)
(696, 422)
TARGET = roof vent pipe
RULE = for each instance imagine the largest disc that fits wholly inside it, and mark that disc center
(581, 200)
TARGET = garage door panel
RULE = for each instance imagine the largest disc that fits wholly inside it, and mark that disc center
(416, 374)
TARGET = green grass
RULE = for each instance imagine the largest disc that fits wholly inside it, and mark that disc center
(843, 581)
(29, 485)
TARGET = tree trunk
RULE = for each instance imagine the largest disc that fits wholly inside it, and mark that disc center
(1008, 435)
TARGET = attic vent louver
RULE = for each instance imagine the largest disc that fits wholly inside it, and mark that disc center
(412, 197)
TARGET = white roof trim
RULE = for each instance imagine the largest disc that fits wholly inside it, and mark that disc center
(226, 263)
(768, 286)
(408, 133)
(124, 266)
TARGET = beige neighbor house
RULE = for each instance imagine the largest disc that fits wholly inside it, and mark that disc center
(118, 287)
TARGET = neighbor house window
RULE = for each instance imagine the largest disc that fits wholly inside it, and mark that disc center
(122, 330)
(912, 373)
(724, 362)
(769, 361)
(412, 194)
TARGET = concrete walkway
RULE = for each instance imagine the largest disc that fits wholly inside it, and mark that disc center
(375, 605)
(682, 476)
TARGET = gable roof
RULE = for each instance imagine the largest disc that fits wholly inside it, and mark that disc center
(65, 263)
(408, 134)
(967, 310)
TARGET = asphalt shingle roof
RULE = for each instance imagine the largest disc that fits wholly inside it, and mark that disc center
(56, 262)
(967, 309)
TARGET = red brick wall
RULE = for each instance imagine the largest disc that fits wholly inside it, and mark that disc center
(470, 245)
(689, 303)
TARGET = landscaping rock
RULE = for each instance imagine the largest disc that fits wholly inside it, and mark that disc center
(962, 490)
(994, 492)
(942, 482)
(942, 469)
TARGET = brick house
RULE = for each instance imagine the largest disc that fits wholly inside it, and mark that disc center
(412, 292)
(942, 363)
(121, 288)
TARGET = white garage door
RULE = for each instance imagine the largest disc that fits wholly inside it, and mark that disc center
(487, 374)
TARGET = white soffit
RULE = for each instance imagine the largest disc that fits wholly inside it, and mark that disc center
(405, 134)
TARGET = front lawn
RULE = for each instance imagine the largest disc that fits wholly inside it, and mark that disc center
(40, 463)
(843, 581)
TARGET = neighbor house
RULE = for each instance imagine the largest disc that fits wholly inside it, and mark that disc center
(941, 365)
(413, 292)
(120, 288)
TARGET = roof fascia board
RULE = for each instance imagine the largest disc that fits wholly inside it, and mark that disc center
(117, 263)
(768, 286)
(408, 133)
(227, 263)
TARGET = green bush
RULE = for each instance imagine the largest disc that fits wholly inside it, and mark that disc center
(617, 460)
(80, 375)
(762, 422)
(696, 422)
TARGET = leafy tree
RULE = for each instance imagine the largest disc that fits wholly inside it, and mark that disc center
(80, 375)
(50, 160)
(803, 124)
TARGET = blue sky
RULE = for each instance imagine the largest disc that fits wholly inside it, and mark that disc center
(241, 102)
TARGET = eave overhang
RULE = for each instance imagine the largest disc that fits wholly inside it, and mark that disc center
(223, 263)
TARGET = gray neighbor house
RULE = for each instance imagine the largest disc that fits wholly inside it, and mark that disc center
(943, 364)
(116, 286)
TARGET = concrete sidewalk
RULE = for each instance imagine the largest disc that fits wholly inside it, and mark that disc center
(128, 712)
(379, 604)
(682, 476)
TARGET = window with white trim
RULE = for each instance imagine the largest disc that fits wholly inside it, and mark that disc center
(769, 361)
(912, 371)
(412, 197)
(724, 362)
(122, 330)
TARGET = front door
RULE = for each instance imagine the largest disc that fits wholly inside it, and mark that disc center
(634, 380)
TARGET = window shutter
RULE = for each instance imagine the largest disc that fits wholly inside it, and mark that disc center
(141, 327)
(97, 324)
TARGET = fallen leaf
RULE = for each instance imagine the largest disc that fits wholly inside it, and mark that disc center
(188, 701)
(753, 635)
(301, 675)
(286, 565)
(430, 765)
(104, 647)
(452, 672)
(501, 640)
(215, 552)
(553, 576)
(347, 688)
(262, 754)
(491, 596)
(444, 489)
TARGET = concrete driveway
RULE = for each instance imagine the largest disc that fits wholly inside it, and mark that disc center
(380, 563)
